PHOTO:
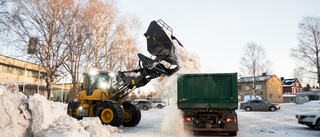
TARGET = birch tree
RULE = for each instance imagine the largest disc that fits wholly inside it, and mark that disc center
(254, 62)
(42, 19)
(308, 49)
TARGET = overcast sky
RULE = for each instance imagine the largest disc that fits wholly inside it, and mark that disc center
(218, 30)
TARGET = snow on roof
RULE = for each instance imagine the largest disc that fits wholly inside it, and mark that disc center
(288, 95)
(289, 82)
(258, 79)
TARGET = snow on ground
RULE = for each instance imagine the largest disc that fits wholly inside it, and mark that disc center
(281, 123)
(39, 117)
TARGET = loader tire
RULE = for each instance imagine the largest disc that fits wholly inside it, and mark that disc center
(132, 115)
(71, 110)
(110, 113)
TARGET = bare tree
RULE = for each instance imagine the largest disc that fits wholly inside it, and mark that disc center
(308, 50)
(254, 62)
(43, 20)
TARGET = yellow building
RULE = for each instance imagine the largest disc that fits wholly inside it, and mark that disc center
(30, 77)
(268, 87)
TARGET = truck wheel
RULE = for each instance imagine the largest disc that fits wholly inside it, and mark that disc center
(159, 106)
(272, 108)
(110, 113)
(145, 108)
(318, 124)
(132, 115)
(248, 109)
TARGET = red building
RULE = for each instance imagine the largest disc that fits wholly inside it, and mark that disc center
(291, 86)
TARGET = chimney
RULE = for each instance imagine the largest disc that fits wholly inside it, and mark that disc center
(264, 74)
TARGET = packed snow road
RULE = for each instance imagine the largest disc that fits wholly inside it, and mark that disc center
(281, 123)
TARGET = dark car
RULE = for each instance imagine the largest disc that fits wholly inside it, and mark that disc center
(143, 104)
(259, 105)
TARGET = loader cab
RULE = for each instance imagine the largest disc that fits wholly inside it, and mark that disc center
(97, 80)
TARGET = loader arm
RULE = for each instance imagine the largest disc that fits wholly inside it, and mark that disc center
(163, 61)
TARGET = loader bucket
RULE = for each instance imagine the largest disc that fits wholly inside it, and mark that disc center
(159, 41)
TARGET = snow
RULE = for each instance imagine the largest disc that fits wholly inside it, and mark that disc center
(281, 123)
(39, 117)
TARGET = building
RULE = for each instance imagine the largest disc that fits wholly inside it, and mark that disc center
(29, 76)
(291, 86)
(305, 96)
(268, 87)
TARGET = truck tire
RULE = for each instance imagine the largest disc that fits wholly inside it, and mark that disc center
(132, 115)
(248, 108)
(110, 113)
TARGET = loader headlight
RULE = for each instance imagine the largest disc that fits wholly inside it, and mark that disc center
(80, 108)
(103, 85)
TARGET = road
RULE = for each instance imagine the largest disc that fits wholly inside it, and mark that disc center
(281, 123)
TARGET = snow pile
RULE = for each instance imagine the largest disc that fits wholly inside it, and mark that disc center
(315, 103)
(188, 63)
(15, 116)
(39, 117)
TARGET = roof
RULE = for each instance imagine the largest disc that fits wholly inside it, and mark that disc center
(289, 82)
(258, 79)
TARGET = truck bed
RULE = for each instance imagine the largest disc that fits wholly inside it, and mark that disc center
(212, 91)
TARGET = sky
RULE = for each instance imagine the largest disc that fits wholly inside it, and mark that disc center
(218, 30)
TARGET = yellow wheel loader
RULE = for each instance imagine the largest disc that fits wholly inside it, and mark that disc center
(103, 93)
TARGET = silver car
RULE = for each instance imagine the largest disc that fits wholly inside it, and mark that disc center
(259, 105)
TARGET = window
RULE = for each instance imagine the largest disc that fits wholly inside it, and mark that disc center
(239, 87)
(279, 96)
(270, 86)
(4, 68)
(0, 68)
(258, 86)
(14, 70)
(270, 96)
(10, 70)
(21, 72)
(291, 99)
(297, 84)
(247, 87)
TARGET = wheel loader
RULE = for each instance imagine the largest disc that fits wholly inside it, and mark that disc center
(103, 93)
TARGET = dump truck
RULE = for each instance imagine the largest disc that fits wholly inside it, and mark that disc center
(208, 102)
(103, 93)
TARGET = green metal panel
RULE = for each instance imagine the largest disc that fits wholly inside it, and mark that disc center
(208, 91)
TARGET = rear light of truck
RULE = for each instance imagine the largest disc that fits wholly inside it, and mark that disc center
(231, 120)
(186, 119)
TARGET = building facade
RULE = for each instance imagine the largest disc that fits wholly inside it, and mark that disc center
(291, 86)
(30, 77)
(268, 87)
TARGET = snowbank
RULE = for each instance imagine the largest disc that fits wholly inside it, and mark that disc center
(315, 103)
(39, 117)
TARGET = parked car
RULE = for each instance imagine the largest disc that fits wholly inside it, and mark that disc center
(159, 103)
(143, 104)
(259, 105)
(311, 119)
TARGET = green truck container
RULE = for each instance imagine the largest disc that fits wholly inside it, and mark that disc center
(209, 101)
